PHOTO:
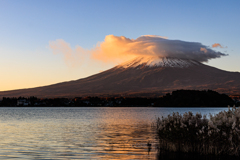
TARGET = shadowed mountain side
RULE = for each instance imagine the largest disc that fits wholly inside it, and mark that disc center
(140, 80)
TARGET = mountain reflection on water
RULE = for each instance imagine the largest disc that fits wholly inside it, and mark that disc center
(80, 133)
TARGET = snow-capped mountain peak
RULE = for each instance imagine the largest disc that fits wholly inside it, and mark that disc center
(158, 62)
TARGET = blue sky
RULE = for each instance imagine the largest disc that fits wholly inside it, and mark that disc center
(27, 27)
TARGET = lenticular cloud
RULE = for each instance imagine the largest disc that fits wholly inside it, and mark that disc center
(120, 48)
(149, 45)
(181, 49)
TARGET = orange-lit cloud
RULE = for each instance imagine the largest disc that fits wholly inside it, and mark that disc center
(121, 48)
(203, 49)
(217, 45)
(116, 49)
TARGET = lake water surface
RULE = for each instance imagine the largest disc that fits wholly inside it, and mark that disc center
(82, 132)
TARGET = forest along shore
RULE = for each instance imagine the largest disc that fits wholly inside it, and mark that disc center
(179, 98)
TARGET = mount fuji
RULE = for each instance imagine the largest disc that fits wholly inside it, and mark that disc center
(142, 76)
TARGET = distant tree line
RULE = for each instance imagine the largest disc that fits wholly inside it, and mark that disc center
(195, 98)
(179, 98)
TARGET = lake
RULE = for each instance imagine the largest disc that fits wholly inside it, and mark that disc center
(82, 132)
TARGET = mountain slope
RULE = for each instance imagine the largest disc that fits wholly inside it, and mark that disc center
(142, 76)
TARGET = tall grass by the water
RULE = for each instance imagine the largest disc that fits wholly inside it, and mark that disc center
(188, 133)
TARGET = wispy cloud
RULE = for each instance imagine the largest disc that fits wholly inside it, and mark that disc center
(217, 45)
(203, 49)
(72, 57)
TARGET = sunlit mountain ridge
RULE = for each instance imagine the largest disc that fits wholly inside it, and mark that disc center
(143, 76)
